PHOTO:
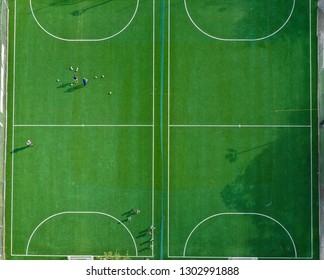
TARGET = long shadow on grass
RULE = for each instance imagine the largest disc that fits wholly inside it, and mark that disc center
(85, 9)
(232, 154)
(66, 3)
(74, 88)
(63, 85)
(16, 150)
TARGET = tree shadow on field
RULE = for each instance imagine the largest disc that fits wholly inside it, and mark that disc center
(16, 150)
(276, 183)
(232, 154)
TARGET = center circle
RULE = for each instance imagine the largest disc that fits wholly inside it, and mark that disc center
(237, 20)
(83, 20)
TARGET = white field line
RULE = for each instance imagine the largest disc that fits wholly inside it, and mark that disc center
(237, 39)
(311, 123)
(240, 125)
(83, 40)
(80, 213)
(239, 213)
(227, 257)
(322, 52)
(169, 121)
(13, 127)
(244, 126)
(55, 255)
(153, 122)
(83, 125)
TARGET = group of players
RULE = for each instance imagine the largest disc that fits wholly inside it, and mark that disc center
(76, 80)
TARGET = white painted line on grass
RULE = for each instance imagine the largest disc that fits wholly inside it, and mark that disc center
(240, 125)
(239, 39)
(82, 40)
(83, 125)
(239, 213)
(80, 213)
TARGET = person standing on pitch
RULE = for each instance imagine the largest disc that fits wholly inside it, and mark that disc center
(85, 81)
(29, 143)
(75, 78)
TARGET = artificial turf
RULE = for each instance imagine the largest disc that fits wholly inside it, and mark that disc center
(210, 129)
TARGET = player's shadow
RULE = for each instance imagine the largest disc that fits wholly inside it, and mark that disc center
(322, 123)
(142, 234)
(145, 248)
(16, 150)
(66, 3)
(144, 231)
(146, 242)
(63, 85)
(74, 88)
(129, 213)
(123, 221)
(77, 13)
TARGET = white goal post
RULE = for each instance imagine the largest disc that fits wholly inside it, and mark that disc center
(80, 258)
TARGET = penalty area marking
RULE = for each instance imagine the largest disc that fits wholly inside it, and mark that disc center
(239, 39)
(83, 40)
(256, 214)
(76, 213)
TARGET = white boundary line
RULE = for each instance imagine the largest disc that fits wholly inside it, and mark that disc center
(222, 257)
(6, 133)
(169, 116)
(239, 40)
(83, 125)
(270, 126)
(13, 127)
(240, 125)
(53, 256)
(311, 124)
(82, 213)
(80, 125)
(82, 40)
(238, 213)
(153, 122)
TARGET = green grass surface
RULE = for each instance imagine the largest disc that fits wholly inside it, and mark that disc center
(215, 141)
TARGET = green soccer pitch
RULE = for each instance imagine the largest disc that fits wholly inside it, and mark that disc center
(202, 115)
